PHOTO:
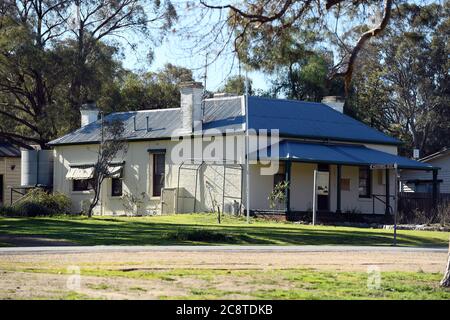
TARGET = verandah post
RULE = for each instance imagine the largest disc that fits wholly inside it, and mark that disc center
(435, 188)
(387, 211)
(338, 189)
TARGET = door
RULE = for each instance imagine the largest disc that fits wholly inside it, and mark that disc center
(323, 187)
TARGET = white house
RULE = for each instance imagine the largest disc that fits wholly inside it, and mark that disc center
(193, 158)
(422, 182)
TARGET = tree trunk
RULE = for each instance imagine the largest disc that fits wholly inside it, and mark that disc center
(446, 280)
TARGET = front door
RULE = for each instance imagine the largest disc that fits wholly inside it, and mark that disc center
(323, 188)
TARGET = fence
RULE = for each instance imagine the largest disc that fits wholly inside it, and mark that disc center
(415, 207)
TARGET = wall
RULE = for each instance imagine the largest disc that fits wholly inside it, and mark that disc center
(137, 178)
(443, 174)
(10, 169)
(137, 181)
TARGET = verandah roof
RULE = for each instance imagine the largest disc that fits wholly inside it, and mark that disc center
(357, 155)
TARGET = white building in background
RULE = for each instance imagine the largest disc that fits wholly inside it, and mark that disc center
(422, 182)
(192, 158)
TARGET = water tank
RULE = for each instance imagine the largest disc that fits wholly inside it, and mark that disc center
(37, 168)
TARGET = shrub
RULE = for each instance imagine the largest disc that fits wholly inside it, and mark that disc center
(38, 202)
(204, 236)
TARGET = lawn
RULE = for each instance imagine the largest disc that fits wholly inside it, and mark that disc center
(203, 229)
(206, 284)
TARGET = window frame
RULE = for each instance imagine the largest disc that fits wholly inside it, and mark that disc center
(158, 186)
(368, 187)
(113, 194)
(89, 185)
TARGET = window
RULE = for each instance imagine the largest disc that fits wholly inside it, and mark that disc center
(424, 187)
(159, 165)
(116, 187)
(364, 182)
(83, 185)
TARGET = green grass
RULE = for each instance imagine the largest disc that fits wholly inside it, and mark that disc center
(203, 229)
(281, 284)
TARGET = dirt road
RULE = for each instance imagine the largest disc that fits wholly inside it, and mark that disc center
(153, 274)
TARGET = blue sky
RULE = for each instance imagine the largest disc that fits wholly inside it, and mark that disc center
(173, 50)
(169, 52)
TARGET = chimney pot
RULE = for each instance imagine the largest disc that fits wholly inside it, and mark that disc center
(335, 102)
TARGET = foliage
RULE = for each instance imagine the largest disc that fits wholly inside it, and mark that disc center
(112, 145)
(402, 82)
(278, 195)
(202, 236)
(236, 85)
(134, 203)
(54, 57)
(264, 33)
(439, 215)
(143, 91)
(38, 202)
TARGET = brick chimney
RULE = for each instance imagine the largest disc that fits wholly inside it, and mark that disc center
(191, 106)
(89, 113)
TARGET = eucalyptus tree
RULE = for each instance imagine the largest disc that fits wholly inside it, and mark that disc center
(402, 83)
(54, 53)
(258, 30)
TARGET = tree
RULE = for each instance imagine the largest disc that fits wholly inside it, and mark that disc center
(306, 79)
(28, 71)
(111, 146)
(101, 20)
(446, 279)
(349, 25)
(402, 84)
(149, 90)
(236, 85)
(53, 58)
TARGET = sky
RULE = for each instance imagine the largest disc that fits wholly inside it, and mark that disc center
(172, 50)
(169, 52)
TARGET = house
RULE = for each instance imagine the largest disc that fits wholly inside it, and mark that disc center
(9, 171)
(422, 182)
(192, 158)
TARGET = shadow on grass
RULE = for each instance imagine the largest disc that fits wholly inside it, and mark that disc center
(111, 231)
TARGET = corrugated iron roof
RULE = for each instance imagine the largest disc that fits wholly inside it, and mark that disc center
(292, 118)
(9, 150)
(310, 120)
(357, 155)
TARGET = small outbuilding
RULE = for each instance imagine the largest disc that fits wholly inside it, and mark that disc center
(9, 171)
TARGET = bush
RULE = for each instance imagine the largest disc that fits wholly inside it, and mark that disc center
(206, 236)
(39, 203)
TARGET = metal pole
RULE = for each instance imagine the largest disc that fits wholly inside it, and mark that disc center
(314, 198)
(247, 158)
(102, 142)
(395, 204)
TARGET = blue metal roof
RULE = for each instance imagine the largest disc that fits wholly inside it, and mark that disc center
(291, 118)
(310, 120)
(356, 155)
